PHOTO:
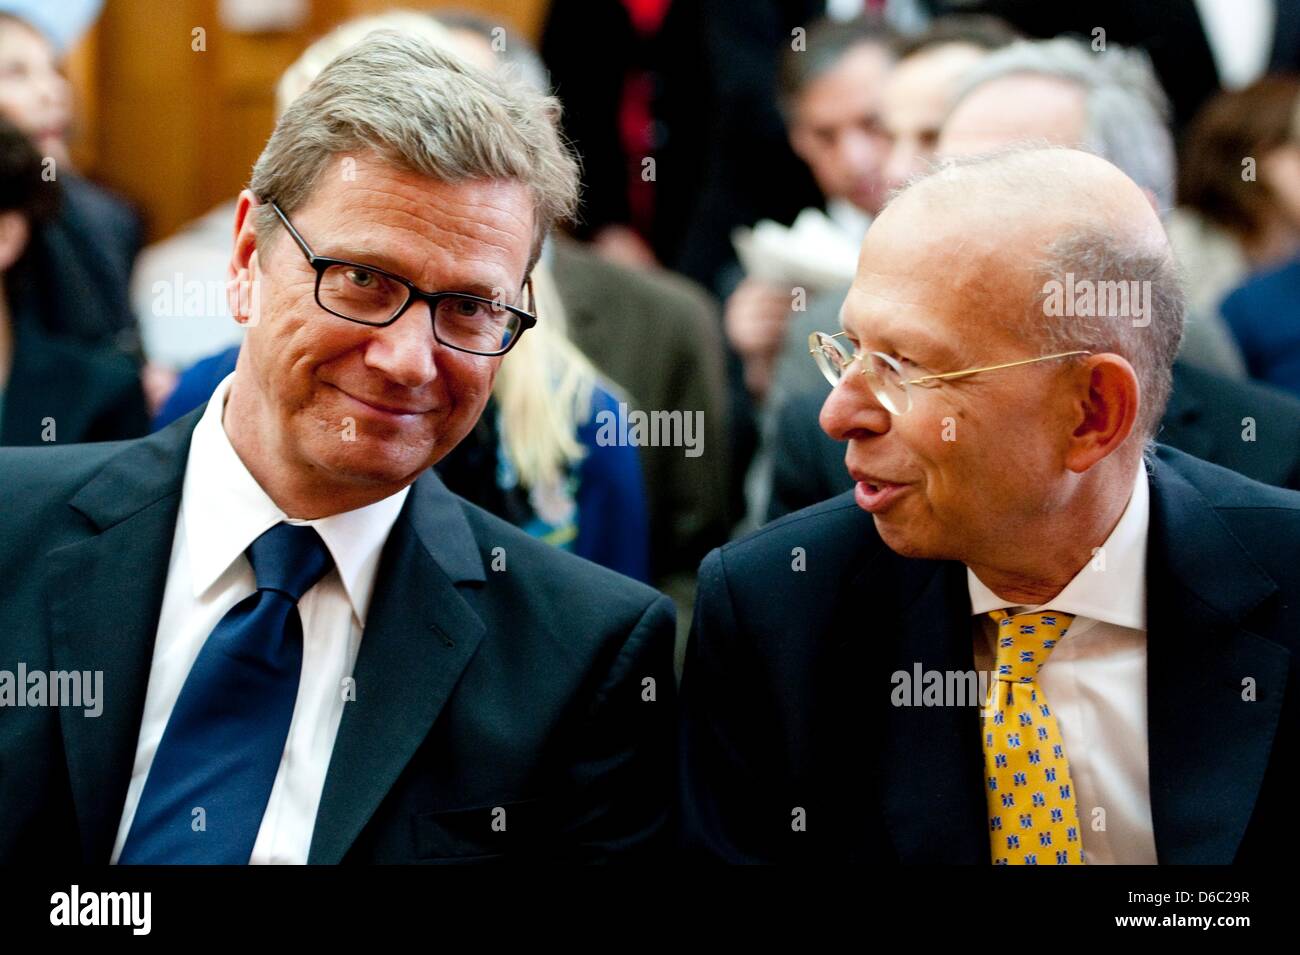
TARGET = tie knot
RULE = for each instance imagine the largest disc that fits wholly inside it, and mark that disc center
(1025, 641)
(289, 558)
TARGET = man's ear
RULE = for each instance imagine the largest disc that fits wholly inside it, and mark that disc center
(1106, 401)
(14, 233)
(242, 273)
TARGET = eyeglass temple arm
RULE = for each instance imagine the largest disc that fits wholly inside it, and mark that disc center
(969, 371)
(1009, 364)
(302, 243)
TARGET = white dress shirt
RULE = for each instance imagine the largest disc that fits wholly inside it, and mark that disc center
(223, 510)
(1096, 683)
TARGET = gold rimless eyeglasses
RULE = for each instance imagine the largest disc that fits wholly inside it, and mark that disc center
(885, 375)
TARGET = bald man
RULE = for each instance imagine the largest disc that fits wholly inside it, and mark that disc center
(1027, 635)
(1059, 92)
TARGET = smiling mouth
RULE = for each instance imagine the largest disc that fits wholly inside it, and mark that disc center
(385, 409)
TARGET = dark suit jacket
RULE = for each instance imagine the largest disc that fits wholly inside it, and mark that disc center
(1204, 417)
(749, 170)
(518, 687)
(594, 80)
(786, 692)
(75, 275)
(91, 393)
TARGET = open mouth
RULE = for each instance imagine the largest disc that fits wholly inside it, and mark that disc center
(875, 496)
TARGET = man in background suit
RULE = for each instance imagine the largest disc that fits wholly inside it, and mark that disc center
(1136, 620)
(309, 650)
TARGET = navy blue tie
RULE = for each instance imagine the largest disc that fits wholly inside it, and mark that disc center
(211, 778)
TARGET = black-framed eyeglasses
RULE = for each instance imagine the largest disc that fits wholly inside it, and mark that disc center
(371, 296)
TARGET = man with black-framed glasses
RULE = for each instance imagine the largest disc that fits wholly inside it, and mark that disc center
(1029, 635)
(370, 296)
(311, 650)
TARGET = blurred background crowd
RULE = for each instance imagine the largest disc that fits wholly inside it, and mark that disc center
(734, 153)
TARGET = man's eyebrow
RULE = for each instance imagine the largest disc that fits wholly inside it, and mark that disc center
(928, 345)
(366, 256)
(380, 260)
(922, 344)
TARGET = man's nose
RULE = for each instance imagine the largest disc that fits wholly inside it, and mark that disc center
(405, 351)
(852, 410)
(859, 151)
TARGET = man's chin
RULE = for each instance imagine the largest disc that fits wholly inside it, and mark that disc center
(905, 540)
(367, 462)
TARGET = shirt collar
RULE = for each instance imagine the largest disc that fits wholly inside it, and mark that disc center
(225, 510)
(1111, 587)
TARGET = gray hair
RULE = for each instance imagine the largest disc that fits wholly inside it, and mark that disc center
(426, 110)
(1091, 252)
(1127, 110)
(1105, 259)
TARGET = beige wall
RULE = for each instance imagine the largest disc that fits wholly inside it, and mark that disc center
(176, 131)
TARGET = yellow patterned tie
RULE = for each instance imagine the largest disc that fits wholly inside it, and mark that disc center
(1033, 819)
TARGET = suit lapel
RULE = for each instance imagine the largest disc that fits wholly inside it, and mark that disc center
(420, 634)
(103, 596)
(1209, 746)
(933, 796)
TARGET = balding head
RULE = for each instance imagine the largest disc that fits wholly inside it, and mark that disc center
(1042, 190)
(1052, 224)
(1002, 260)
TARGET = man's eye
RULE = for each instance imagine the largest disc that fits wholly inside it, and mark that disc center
(361, 278)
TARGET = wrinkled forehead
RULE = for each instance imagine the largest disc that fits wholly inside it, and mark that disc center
(927, 279)
(475, 235)
(887, 313)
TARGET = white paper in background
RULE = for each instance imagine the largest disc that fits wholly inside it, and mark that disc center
(262, 16)
(814, 253)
